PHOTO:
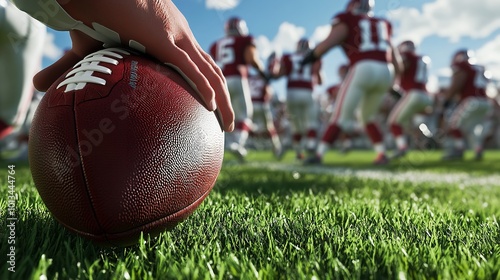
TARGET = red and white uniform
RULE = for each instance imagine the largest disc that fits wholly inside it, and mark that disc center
(21, 40)
(302, 110)
(228, 52)
(473, 106)
(371, 72)
(415, 97)
(262, 107)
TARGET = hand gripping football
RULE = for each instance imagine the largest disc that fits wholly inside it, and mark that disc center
(120, 145)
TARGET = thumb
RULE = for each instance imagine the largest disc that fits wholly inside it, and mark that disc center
(82, 45)
(45, 78)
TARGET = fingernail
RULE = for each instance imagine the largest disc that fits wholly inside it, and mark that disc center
(212, 105)
(231, 127)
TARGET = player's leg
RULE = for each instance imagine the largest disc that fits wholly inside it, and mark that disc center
(243, 109)
(476, 116)
(271, 129)
(21, 41)
(295, 109)
(400, 117)
(377, 78)
(457, 122)
(343, 114)
(311, 119)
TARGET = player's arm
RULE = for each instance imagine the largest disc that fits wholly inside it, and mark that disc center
(399, 63)
(316, 71)
(252, 58)
(280, 69)
(337, 35)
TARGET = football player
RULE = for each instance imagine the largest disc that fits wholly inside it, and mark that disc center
(235, 53)
(261, 93)
(332, 93)
(366, 41)
(21, 41)
(157, 28)
(414, 98)
(468, 83)
(302, 110)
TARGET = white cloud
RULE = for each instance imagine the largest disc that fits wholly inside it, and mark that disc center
(489, 56)
(452, 19)
(50, 49)
(320, 33)
(287, 37)
(222, 4)
(285, 40)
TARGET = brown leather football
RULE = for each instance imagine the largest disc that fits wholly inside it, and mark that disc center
(120, 145)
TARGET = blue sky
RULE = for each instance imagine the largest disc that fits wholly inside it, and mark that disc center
(439, 27)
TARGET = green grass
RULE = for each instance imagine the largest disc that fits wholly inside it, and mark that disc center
(290, 222)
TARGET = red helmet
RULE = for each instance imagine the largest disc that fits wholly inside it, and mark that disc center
(360, 6)
(235, 26)
(303, 45)
(406, 46)
(463, 55)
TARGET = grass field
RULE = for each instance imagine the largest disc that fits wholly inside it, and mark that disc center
(414, 219)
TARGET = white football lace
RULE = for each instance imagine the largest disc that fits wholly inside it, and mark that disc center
(83, 71)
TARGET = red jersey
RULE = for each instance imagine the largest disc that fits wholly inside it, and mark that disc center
(228, 53)
(298, 76)
(257, 88)
(476, 81)
(415, 75)
(368, 37)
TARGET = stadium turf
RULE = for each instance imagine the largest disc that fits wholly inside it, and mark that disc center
(418, 218)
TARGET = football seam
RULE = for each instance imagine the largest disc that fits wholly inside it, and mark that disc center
(82, 164)
(84, 174)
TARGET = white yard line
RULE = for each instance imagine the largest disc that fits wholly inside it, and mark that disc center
(460, 179)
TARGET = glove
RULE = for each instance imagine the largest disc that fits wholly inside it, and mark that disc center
(446, 104)
(395, 92)
(310, 57)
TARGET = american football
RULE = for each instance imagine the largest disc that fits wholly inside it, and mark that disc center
(120, 145)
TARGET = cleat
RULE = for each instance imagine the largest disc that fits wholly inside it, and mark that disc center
(300, 156)
(315, 159)
(345, 150)
(279, 153)
(479, 155)
(238, 151)
(454, 154)
(381, 159)
(399, 153)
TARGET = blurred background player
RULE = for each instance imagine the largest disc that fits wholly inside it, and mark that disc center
(262, 94)
(165, 35)
(332, 94)
(366, 41)
(235, 53)
(301, 108)
(21, 51)
(411, 84)
(468, 83)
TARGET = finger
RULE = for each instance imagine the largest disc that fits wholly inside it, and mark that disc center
(188, 67)
(218, 82)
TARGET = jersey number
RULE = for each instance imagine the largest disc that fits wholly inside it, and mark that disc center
(300, 73)
(225, 52)
(369, 40)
